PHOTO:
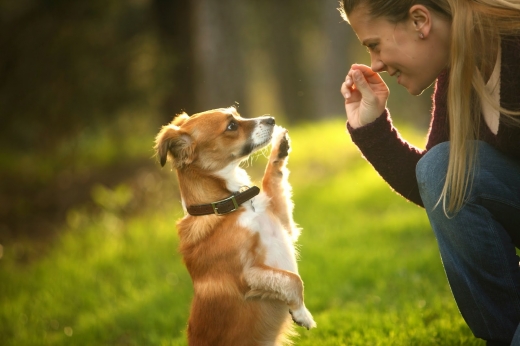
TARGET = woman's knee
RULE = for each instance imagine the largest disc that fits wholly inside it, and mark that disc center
(431, 172)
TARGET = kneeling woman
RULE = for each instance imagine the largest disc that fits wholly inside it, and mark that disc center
(468, 178)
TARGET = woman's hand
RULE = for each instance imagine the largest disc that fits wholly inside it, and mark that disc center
(365, 95)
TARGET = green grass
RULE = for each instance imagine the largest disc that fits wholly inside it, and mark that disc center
(369, 261)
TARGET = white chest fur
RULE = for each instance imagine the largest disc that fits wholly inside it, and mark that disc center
(280, 251)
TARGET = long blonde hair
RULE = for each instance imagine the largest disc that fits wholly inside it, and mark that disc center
(477, 26)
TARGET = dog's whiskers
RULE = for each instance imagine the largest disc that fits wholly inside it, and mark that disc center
(265, 151)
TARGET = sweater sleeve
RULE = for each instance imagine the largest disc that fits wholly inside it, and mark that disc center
(392, 157)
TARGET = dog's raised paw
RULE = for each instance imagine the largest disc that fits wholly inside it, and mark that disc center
(281, 143)
(303, 318)
(283, 149)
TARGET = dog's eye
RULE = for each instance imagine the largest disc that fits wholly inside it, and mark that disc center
(233, 126)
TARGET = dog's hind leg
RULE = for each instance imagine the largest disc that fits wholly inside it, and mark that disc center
(272, 283)
(275, 181)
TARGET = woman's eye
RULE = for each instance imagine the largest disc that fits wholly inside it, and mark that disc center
(371, 47)
(233, 126)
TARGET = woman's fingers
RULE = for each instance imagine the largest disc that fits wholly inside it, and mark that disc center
(360, 83)
(346, 87)
(345, 90)
(365, 95)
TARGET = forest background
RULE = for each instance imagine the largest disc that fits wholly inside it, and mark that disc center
(70, 70)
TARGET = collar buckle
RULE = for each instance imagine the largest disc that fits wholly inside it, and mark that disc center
(231, 198)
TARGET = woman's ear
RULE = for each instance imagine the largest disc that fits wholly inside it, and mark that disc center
(421, 19)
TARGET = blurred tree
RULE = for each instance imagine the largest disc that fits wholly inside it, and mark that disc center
(287, 57)
(335, 47)
(174, 20)
(286, 24)
(219, 52)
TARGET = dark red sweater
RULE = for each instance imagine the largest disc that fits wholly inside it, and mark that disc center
(395, 159)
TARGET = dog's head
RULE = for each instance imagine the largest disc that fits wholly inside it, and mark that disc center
(212, 139)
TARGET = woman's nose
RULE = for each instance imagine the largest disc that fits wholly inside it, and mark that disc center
(377, 65)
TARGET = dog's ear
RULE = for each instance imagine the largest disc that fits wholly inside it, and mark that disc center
(174, 143)
(180, 119)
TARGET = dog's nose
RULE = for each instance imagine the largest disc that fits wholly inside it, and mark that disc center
(269, 121)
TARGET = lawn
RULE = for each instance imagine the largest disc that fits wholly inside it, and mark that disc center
(369, 260)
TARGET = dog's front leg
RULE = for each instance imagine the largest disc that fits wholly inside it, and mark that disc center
(272, 283)
(275, 181)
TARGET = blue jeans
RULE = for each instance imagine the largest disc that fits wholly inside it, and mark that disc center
(476, 245)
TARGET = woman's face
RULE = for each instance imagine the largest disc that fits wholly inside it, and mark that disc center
(399, 49)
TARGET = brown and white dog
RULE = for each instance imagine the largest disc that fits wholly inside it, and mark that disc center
(237, 243)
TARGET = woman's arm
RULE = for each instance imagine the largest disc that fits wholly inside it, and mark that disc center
(392, 157)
